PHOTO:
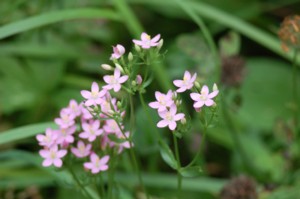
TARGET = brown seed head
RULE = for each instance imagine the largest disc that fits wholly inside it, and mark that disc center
(289, 32)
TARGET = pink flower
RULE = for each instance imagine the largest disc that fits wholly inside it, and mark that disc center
(91, 130)
(169, 118)
(114, 81)
(96, 165)
(187, 82)
(163, 101)
(65, 136)
(81, 150)
(125, 144)
(146, 41)
(66, 118)
(111, 126)
(139, 79)
(94, 97)
(119, 50)
(49, 139)
(75, 108)
(86, 115)
(52, 156)
(205, 98)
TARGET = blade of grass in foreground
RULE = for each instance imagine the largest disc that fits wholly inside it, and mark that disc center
(24, 132)
(54, 17)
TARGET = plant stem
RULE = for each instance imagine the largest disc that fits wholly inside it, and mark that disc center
(179, 176)
(111, 178)
(295, 93)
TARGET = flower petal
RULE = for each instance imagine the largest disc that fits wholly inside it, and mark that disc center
(85, 94)
(162, 123)
(95, 87)
(195, 96)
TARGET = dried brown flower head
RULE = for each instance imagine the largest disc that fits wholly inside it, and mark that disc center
(233, 69)
(289, 32)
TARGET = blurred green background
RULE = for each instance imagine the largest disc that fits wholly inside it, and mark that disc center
(52, 49)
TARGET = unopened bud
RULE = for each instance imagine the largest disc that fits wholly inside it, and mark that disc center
(197, 85)
(139, 79)
(183, 121)
(133, 83)
(160, 44)
(118, 66)
(215, 87)
(178, 102)
(111, 112)
(137, 48)
(119, 105)
(106, 67)
(174, 95)
(130, 56)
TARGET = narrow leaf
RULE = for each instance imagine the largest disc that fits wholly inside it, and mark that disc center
(167, 155)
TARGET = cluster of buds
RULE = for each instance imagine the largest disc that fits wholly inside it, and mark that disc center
(289, 32)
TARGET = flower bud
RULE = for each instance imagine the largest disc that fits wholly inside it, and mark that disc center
(137, 48)
(133, 83)
(160, 44)
(197, 85)
(118, 66)
(130, 56)
(106, 67)
(119, 105)
(183, 121)
(215, 87)
(139, 79)
(111, 112)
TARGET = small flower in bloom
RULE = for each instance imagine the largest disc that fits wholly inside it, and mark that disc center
(169, 118)
(82, 150)
(75, 108)
(163, 101)
(125, 144)
(96, 165)
(65, 136)
(91, 130)
(66, 118)
(49, 139)
(187, 82)
(53, 156)
(204, 98)
(111, 126)
(146, 41)
(86, 115)
(118, 51)
(114, 81)
(94, 97)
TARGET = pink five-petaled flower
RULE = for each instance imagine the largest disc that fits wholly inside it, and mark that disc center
(66, 118)
(187, 82)
(204, 98)
(49, 139)
(65, 136)
(163, 101)
(96, 165)
(52, 156)
(146, 41)
(91, 130)
(169, 118)
(95, 96)
(114, 81)
(118, 51)
(81, 150)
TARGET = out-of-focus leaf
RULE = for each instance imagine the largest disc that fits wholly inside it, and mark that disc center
(191, 171)
(230, 44)
(167, 155)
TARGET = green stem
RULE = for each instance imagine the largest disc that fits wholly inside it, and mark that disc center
(179, 176)
(295, 92)
(102, 190)
(111, 178)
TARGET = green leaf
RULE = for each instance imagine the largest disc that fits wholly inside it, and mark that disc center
(190, 171)
(230, 44)
(167, 155)
(54, 17)
(24, 132)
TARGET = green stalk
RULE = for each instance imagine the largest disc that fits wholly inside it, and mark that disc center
(179, 176)
(111, 178)
(295, 92)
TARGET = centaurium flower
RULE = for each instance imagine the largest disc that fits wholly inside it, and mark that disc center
(118, 51)
(169, 118)
(91, 130)
(187, 82)
(94, 96)
(82, 150)
(65, 136)
(66, 118)
(49, 139)
(96, 164)
(75, 108)
(52, 156)
(204, 98)
(114, 81)
(146, 41)
(163, 101)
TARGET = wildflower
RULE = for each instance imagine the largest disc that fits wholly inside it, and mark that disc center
(94, 97)
(163, 101)
(114, 81)
(146, 41)
(204, 98)
(82, 150)
(187, 82)
(111, 126)
(75, 108)
(52, 156)
(48, 139)
(126, 143)
(118, 51)
(66, 118)
(96, 165)
(65, 136)
(91, 130)
(169, 118)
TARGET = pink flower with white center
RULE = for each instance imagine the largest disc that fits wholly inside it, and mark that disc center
(169, 118)
(114, 81)
(91, 130)
(125, 144)
(82, 150)
(204, 98)
(187, 82)
(163, 101)
(52, 156)
(95, 96)
(66, 118)
(111, 126)
(96, 165)
(75, 108)
(86, 115)
(118, 51)
(65, 136)
(106, 105)
(49, 139)
(146, 41)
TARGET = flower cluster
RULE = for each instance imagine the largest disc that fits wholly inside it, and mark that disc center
(167, 104)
